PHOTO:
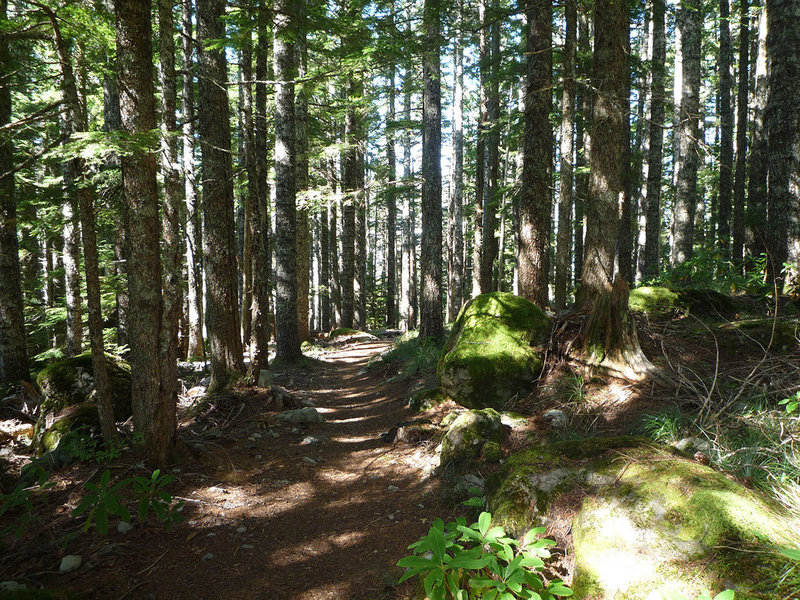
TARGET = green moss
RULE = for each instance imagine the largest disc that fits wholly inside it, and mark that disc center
(647, 519)
(83, 416)
(653, 300)
(785, 339)
(62, 385)
(468, 432)
(491, 353)
(426, 399)
(492, 452)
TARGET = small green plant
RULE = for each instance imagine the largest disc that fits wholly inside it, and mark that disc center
(575, 388)
(102, 501)
(705, 595)
(152, 496)
(791, 403)
(460, 562)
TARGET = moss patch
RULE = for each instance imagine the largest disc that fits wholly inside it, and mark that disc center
(343, 331)
(654, 300)
(71, 381)
(491, 354)
(643, 518)
(426, 399)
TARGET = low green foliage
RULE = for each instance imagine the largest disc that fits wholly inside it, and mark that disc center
(104, 500)
(16, 507)
(101, 501)
(791, 403)
(415, 358)
(461, 562)
(152, 496)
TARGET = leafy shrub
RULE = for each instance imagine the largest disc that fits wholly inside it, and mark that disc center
(152, 496)
(460, 562)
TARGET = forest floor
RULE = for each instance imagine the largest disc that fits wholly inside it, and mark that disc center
(266, 516)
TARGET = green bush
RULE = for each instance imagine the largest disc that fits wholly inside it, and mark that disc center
(460, 562)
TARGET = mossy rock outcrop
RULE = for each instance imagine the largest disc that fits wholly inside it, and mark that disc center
(644, 520)
(468, 432)
(662, 301)
(785, 338)
(494, 351)
(69, 400)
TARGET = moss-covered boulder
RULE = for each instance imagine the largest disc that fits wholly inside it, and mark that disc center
(426, 399)
(68, 399)
(467, 434)
(654, 300)
(784, 333)
(642, 519)
(70, 382)
(494, 351)
(663, 302)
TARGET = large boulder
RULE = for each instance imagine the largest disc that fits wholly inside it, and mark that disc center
(663, 302)
(468, 431)
(68, 397)
(494, 351)
(642, 519)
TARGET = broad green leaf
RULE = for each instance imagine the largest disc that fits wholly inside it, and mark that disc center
(792, 553)
(513, 566)
(101, 522)
(483, 522)
(726, 595)
(530, 537)
(465, 562)
(416, 562)
(436, 538)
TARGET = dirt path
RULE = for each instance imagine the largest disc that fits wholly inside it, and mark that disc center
(276, 518)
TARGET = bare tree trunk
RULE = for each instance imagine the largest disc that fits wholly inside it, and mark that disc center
(782, 125)
(625, 227)
(756, 214)
(406, 287)
(259, 233)
(739, 188)
(687, 107)
(170, 238)
(565, 183)
(13, 347)
(137, 105)
(194, 239)
(534, 202)
(303, 234)
(492, 145)
(431, 323)
(219, 239)
(584, 141)
(286, 330)
(391, 208)
(726, 130)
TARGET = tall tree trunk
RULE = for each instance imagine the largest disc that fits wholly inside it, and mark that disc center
(687, 117)
(286, 330)
(479, 203)
(170, 218)
(194, 239)
(625, 227)
(726, 130)
(739, 189)
(137, 106)
(492, 144)
(406, 287)
(782, 128)
(606, 178)
(219, 231)
(655, 136)
(251, 194)
(455, 238)
(303, 233)
(391, 208)
(431, 324)
(13, 347)
(583, 138)
(565, 182)
(756, 215)
(324, 269)
(534, 202)
(72, 275)
(259, 234)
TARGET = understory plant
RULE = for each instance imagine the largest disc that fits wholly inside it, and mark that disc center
(460, 562)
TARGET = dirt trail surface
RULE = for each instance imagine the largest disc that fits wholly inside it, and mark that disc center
(274, 517)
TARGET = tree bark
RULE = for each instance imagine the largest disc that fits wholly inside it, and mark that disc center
(740, 174)
(13, 343)
(565, 181)
(137, 107)
(287, 337)
(608, 149)
(726, 131)
(259, 234)
(431, 325)
(194, 239)
(687, 117)
(534, 201)
(170, 217)
(455, 238)
(219, 231)
(655, 136)
(303, 233)
(756, 214)
(406, 288)
(391, 206)
(782, 128)
(492, 144)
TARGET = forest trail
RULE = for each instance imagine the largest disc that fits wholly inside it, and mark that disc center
(266, 522)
